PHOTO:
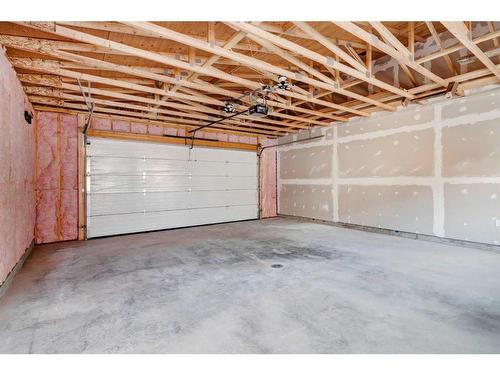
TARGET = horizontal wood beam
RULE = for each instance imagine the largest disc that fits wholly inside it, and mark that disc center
(320, 59)
(191, 112)
(171, 140)
(243, 59)
(327, 43)
(457, 47)
(87, 38)
(293, 32)
(391, 51)
(39, 46)
(437, 40)
(460, 31)
(82, 107)
(180, 116)
(51, 66)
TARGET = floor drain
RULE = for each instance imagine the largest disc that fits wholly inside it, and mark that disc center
(277, 265)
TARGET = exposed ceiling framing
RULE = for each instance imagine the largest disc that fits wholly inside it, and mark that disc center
(183, 73)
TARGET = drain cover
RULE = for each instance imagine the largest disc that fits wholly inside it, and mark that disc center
(277, 265)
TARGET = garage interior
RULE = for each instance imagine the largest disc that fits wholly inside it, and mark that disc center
(250, 187)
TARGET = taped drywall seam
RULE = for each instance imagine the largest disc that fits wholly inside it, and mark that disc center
(438, 186)
(307, 181)
(387, 181)
(335, 175)
(471, 119)
(278, 180)
(415, 180)
(385, 133)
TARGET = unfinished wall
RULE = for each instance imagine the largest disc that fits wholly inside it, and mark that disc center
(57, 168)
(17, 156)
(140, 127)
(431, 169)
(57, 177)
(268, 179)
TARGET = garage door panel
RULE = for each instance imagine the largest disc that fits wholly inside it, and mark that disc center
(132, 149)
(119, 165)
(139, 186)
(106, 204)
(122, 184)
(213, 154)
(140, 222)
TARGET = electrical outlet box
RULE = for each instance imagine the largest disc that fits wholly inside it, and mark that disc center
(497, 222)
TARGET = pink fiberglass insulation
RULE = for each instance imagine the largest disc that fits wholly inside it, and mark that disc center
(155, 130)
(249, 140)
(57, 177)
(17, 157)
(222, 137)
(126, 126)
(69, 214)
(47, 168)
(99, 123)
(210, 135)
(69, 152)
(69, 177)
(138, 128)
(120, 126)
(268, 179)
(47, 177)
(46, 216)
(170, 131)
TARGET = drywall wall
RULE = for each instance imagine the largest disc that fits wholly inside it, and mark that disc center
(17, 157)
(431, 169)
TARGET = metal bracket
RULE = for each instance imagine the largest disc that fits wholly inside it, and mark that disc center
(192, 139)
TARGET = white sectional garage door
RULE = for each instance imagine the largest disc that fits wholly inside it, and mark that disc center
(142, 186)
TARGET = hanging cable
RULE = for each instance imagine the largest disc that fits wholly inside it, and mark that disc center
(89, 103)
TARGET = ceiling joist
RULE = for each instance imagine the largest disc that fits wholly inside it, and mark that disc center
(166, 71)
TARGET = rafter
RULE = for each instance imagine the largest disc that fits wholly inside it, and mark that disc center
(42, 80)
(82, 107)
(436, 38)
(316, 35)
(34, 45)
(216, 73)
(199, 120)
(391, 51)
(320, 59)
(285, 55)
(151, 71)
(246, 60)
(460, 31)
(458, 47)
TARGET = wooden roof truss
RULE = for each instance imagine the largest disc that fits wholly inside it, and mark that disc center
(184, 73)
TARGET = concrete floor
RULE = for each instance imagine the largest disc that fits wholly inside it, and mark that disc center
(212, 290)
